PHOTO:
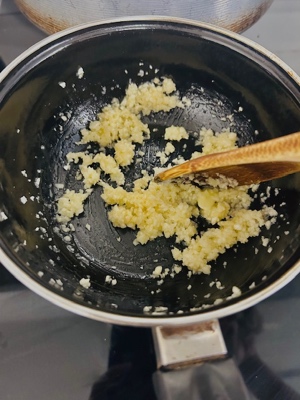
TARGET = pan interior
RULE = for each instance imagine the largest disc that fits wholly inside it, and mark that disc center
(229, 85)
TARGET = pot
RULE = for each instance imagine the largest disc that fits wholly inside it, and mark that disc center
(44, 103)
(52, 16)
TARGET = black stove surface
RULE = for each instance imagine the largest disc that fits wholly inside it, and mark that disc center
(48, 353)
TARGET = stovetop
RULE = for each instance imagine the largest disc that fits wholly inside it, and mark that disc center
(49, 353)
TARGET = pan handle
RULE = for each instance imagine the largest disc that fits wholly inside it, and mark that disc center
(184, 346)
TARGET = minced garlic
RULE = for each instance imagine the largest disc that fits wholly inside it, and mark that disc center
(176, 133)
(168, 209)
(70, 205)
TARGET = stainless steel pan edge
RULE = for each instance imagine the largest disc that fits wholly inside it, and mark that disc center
(146, 321)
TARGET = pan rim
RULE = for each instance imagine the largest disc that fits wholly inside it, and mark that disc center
(148, 321)
(146, 18)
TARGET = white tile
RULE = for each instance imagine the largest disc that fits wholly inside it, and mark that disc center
(16, 35)
(279, 31)
(8, 7)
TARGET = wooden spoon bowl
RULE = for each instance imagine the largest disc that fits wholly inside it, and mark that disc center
(247, 165)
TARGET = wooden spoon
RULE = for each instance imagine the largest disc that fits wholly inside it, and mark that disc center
(247, 165)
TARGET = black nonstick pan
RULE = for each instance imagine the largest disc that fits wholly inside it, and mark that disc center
(230, 81)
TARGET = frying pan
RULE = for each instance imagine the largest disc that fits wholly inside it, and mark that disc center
(43, 106)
